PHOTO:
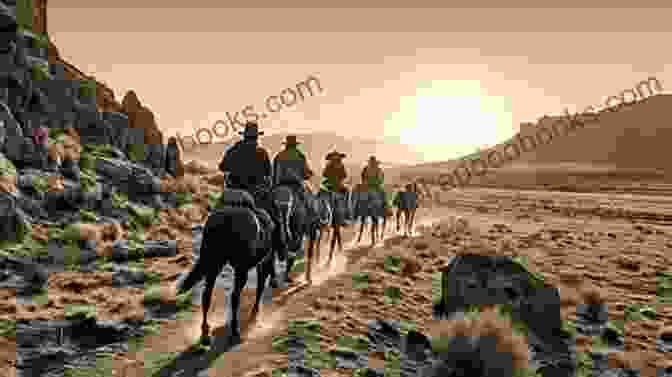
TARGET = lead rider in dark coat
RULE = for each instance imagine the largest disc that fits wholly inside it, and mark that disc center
(247, 164)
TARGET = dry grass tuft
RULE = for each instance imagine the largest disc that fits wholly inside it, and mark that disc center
(490, 324)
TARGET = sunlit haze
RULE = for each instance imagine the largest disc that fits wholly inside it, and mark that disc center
(442, 82)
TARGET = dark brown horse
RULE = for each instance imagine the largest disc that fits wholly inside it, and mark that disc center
(297, 216)
(407, 204)
(233, 235)
(340, 204)
(368, 205)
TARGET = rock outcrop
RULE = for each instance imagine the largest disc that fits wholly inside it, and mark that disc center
(139, 116)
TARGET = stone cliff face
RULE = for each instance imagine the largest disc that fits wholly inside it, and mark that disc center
(139, 116)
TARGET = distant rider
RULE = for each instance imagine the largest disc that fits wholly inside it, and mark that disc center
(334, 177)
(373, 179)
(291, 169)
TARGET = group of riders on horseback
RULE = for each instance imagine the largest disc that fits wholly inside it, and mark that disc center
(247, 166)
(267, 209)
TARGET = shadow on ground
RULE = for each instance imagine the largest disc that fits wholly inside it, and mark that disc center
(194, 360)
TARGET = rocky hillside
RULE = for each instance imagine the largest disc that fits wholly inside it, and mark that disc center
(32, 19)
(85, 202)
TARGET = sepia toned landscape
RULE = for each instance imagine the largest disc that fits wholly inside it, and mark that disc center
(555, 261)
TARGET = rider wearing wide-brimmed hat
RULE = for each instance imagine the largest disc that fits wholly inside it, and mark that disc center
(247, 164)
(291, 167)
(333, 181)
(372, 175)
(334, 174)
(373, 179)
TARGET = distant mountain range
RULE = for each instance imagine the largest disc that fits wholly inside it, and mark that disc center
(629, 138)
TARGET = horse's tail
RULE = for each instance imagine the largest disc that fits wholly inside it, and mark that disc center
(208, 261)
(196, 274)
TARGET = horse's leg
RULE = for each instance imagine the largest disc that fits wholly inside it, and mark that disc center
(374, 228)
(239, 283)
(276, 244)
(361, 229)
(274, 278)
(206, 298)
(320, 232)
(335, 237)
(309, 264)
(263, 271)
(337, 233)
(290, 263)
(398, 219)
(412, 222)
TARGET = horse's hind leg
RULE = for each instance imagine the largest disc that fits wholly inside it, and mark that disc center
(398, 220)
(320, 233)
(309, 264)
(374, 228)
(337, 234)
(206, 298)
(361, 230)
(263, 273)
(239, 283)
(335, 237)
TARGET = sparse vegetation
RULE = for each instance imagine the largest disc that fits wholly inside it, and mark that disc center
(39, 71)
(87, 88)
(436, 287)
(40, 183)
(664, 287)
(7, 167)
(183, 198)
(392, 263)
(392, 295)
(80, 312)
(119, 200)
(7, 328)
(98, 151)
(88, 216)
(213, 199)
(360, 280)
(24, 14)
(88, 178)
(136, 152)
(639, 312)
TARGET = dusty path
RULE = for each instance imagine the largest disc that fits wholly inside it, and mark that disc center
(180, 335)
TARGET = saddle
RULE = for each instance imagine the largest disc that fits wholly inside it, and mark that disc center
(407, 200)
(243, 199)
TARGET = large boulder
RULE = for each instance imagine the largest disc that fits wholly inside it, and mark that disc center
(474, 281)
(141, 117)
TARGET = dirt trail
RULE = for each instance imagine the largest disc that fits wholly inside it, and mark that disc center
(179, 335)
(322, 273)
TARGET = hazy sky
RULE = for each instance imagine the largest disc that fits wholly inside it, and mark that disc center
(445, 80)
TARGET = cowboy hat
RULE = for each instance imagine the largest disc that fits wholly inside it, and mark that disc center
(251, 130)
(335, 156)
(291, 140)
